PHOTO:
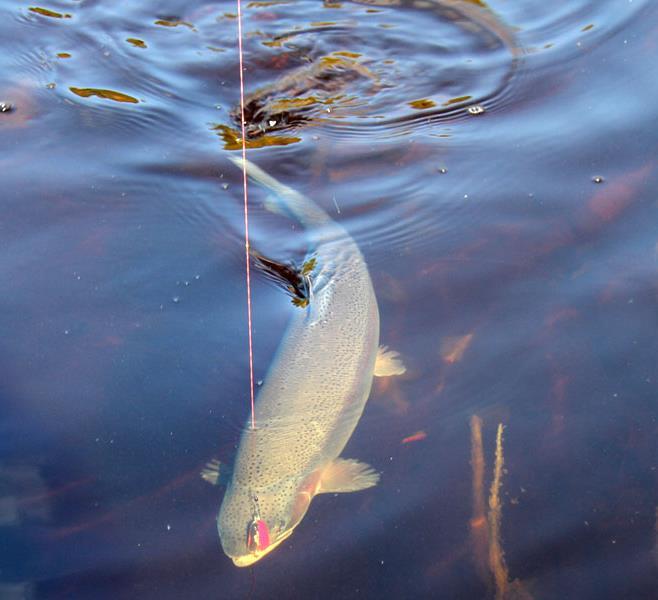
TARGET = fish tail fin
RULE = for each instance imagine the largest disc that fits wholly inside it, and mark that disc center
(299, 206)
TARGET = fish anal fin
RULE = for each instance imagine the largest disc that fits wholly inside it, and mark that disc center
(214, 472)
(347, 475)
(388, 363)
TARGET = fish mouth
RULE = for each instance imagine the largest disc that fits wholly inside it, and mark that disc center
(247, 560)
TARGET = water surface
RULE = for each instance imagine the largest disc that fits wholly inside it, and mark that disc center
(514, 254)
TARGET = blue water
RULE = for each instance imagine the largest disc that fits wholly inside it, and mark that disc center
(530, 228)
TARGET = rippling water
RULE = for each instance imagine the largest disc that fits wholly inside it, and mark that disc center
(514, 254)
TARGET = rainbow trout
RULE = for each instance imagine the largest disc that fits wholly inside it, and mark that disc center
(312, 397)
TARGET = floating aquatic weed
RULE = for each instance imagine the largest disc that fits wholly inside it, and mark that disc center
(422, 104)
(44, 12)
(267, 3)
(137, 42)
(174, 23)
(457, 100)
(233, 141)
(103, 93)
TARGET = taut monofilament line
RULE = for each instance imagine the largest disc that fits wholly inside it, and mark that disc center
(246, 218)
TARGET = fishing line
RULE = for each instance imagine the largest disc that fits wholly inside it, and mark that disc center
(246, 219)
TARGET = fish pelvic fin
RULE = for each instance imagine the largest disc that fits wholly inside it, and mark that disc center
(215, 473)
(347, 475)
(388, 363)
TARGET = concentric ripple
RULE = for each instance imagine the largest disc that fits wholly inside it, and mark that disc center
(473, 53)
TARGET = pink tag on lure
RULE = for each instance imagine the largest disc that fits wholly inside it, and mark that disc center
(263, 534)
(258, 537)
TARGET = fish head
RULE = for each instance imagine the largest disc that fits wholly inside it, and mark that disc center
(252, 523)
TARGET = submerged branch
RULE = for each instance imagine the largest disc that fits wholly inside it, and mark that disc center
(496, 554)
(479, 532)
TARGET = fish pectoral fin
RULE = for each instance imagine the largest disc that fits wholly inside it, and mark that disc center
(347, 475)
(214, 472)
(388, 363)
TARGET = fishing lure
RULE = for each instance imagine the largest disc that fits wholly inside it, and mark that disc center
(258, 534)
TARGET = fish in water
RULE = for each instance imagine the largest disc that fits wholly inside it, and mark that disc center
(313, 395)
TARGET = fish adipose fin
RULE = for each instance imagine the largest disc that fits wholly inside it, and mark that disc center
(388, 363)
(215, 473)
(347, 475)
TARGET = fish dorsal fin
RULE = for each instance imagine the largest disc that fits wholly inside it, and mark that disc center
(388, 363)
(215, 473)
(347, 475)
(295, 280)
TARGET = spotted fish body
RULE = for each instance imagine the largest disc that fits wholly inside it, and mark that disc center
(313, 395)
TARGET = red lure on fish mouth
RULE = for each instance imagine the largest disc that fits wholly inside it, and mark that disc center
(258, 536)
